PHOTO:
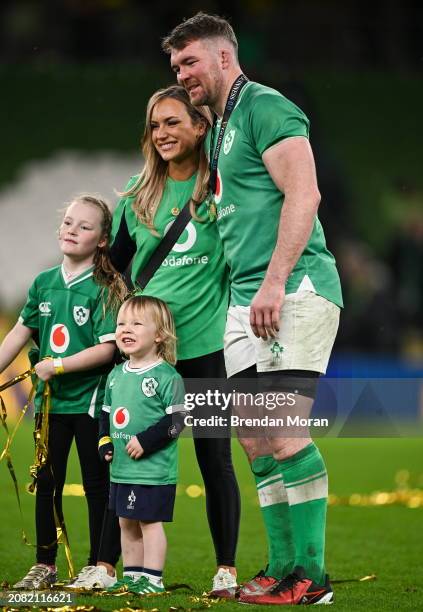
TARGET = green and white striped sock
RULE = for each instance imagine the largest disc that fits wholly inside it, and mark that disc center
(276, 515)
(306, 485)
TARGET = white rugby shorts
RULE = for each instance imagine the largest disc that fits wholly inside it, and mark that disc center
(308, 327)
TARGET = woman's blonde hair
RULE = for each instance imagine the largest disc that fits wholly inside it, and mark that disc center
(104, 274)
(149, 187)
(163, 320)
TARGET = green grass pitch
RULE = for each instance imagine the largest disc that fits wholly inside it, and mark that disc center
(384, 540)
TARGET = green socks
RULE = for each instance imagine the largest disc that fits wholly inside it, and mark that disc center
(293, 499)
(276, 515)
(306, 485)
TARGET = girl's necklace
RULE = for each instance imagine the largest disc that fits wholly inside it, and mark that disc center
(68, 274)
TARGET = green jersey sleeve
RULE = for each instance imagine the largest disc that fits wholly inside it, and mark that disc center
(107, 402)
(120, 209)
(104, 321)
(172, 394)
(118, 213)
(30, 312)
(273, 118)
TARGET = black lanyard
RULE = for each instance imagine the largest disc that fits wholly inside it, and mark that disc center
(230, 105)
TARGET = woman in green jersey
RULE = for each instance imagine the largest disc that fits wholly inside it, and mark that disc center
(192, 280)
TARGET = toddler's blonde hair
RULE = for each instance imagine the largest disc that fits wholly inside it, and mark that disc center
(163, 319)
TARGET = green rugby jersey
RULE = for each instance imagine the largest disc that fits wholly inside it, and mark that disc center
(249, 203)
(193, 278)
(68, 318)
(135, 399)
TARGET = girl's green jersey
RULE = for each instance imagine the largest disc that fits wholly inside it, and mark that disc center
(68, 317)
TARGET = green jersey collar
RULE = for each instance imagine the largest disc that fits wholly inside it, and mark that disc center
(127, 368)
(87, 273)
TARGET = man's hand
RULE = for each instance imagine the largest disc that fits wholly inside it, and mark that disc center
(266, 309)
(134, 448)
(45, 369)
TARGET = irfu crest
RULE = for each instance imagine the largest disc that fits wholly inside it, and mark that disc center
(228, 142)
(149, 386)
(80, 314)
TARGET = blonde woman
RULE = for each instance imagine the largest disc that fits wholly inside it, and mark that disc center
(193, 281)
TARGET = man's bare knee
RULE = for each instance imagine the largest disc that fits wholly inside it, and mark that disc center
(255, 447)
(283, 448)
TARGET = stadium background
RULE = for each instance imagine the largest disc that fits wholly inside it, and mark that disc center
(75, 76)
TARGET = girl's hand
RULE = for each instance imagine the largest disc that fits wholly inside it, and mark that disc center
(45, 369)
(134, 448)
(106, 451)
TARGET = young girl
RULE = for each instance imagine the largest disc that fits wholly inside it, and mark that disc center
(70, 316)
(139, 393)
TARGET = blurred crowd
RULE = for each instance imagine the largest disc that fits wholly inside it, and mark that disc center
(336, 34)
(383, 286)
(384, 292)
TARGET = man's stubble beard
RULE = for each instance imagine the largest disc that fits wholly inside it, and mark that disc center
(210, 99)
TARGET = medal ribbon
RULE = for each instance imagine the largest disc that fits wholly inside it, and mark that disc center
(230, 105)
(41, 455)
(3, 415)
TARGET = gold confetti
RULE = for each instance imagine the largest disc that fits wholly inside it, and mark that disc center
(410, 498)
(74, 609)
(363, 579)
(402, 496)
(371, 577)
(194, 491)
(74, 490)
(41, 449)
(402, 477)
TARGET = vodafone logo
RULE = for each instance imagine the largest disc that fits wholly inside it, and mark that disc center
(219, 188)
(59, 338)
(121, 418)
(187, 239)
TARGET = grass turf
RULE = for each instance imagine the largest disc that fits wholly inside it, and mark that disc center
(386, 540)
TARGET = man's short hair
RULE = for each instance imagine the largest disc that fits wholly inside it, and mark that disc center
(199, 27)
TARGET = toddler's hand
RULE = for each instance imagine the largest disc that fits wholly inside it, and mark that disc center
(134, 448)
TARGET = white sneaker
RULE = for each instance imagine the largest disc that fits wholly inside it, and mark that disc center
(224, 584)
(92, 577)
